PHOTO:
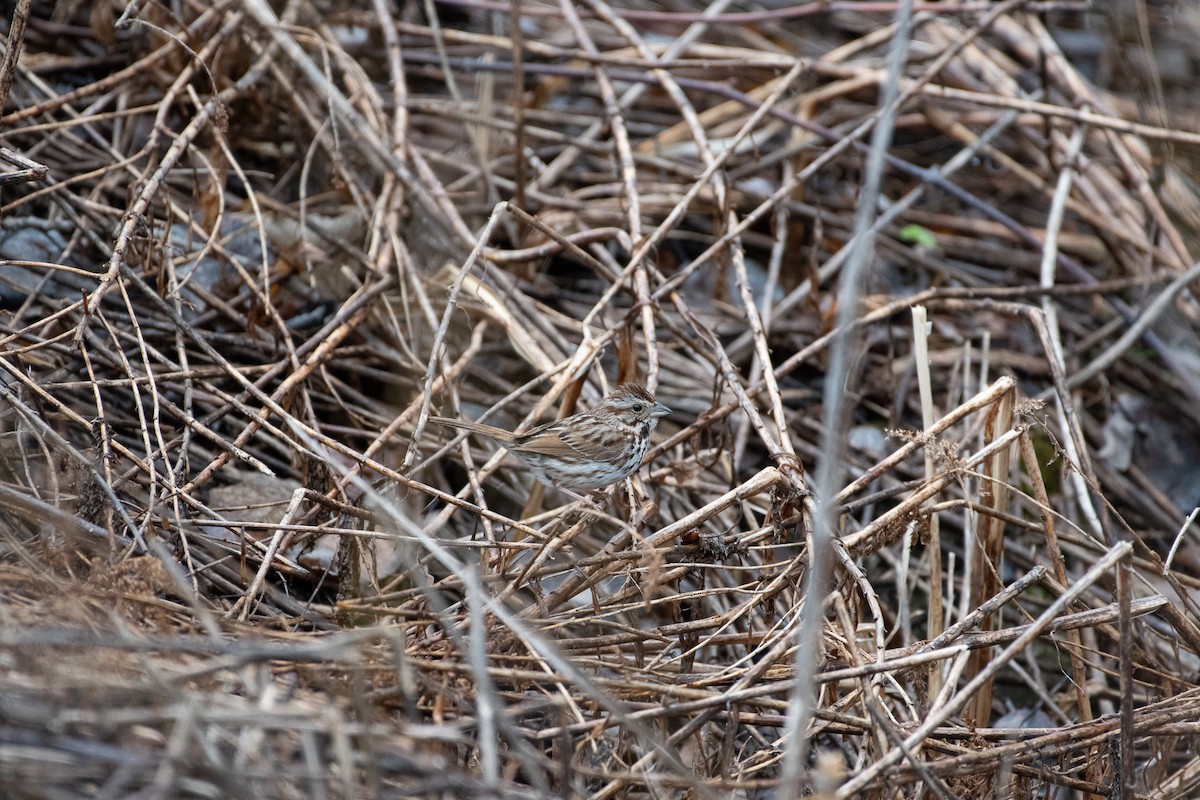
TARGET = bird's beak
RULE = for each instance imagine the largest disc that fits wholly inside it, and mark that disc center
(660, 410)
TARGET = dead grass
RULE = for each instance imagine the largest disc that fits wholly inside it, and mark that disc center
(246, 257)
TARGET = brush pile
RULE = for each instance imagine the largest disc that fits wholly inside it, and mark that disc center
(920, 294)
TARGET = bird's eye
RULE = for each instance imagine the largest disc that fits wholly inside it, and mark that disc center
(638, 408)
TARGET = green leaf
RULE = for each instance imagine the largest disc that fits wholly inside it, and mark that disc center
(919, 237)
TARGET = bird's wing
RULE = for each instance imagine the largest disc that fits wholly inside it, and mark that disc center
(558, 441)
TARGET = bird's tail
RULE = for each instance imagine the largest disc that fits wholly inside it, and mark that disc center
(491, 431)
